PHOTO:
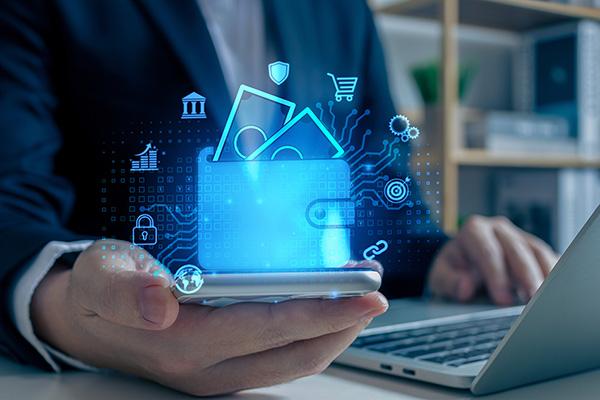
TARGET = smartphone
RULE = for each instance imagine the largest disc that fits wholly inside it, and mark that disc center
(223, 288)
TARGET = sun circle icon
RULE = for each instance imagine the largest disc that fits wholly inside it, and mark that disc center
(188, 279)
(399, 125)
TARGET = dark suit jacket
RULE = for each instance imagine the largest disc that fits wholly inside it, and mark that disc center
(72, 71)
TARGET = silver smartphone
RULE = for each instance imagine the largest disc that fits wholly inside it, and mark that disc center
(223, 288)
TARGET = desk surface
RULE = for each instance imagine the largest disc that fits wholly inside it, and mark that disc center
(19, 382)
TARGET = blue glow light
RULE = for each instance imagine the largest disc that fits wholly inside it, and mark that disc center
(251, 102)
(305, 136)
(344, 86)
(273, 221)
(144, 233)
(374, 250)
(188, 279)
(279, 72)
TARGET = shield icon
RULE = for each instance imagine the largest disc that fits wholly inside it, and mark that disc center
(279, 71)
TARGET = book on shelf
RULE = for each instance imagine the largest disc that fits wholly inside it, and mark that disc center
(519, 132)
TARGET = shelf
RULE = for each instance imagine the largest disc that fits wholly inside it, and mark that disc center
(483, 158)
(515, 16)
(511, 15)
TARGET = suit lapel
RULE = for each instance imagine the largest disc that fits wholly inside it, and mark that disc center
(183, 26)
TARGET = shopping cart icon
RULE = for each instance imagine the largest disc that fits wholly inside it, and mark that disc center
(344, 86)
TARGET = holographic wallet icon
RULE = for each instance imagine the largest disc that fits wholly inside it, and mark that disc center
(273, 214)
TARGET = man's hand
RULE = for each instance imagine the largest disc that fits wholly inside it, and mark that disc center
(495, 254)
(126, 318)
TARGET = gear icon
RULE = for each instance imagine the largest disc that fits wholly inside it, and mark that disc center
(413, 132)
(399, 125)
(405, 138)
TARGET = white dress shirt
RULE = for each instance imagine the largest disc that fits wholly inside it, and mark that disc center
(236, 28)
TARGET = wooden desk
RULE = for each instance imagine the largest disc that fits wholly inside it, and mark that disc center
(19, 382)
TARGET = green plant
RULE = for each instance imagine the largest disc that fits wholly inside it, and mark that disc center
(427, 77)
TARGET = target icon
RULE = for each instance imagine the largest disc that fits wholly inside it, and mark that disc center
(397, 190)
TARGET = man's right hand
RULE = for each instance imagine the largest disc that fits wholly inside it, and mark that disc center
(126, 318)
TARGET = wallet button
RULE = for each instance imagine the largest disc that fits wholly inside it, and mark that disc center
(339, 211)
(320, 214)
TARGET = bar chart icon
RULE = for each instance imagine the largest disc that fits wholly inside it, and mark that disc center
(147, 160)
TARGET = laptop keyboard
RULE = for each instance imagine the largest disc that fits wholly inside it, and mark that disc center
(452, 344)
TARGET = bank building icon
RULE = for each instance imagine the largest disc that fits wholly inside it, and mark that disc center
(193, 106)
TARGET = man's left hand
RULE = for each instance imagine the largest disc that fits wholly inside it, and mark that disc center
(491, 253)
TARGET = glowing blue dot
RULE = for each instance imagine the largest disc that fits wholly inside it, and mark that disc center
(320, 214)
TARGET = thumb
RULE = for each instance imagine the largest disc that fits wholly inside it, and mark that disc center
(133, 298)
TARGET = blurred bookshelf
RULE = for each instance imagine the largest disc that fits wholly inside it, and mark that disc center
(485, 158)
(512, 17)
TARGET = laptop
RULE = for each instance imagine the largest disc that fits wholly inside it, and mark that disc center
(555, 334)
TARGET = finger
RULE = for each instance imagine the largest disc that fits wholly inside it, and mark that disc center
(279, 365)
(370, 264)
(451, 277)
(544, 254)
(481, 247)
(120, 293)
(521, 260)
(254, 327)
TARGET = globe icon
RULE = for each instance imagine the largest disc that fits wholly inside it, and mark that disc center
(188, 279)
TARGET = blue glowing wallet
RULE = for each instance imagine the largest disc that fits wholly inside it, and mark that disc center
(273, 214)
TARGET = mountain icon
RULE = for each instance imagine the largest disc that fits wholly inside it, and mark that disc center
(303, 137)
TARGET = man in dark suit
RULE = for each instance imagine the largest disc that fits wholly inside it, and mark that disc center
(71, 73)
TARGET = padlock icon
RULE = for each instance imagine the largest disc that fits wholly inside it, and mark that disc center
(144, 233)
